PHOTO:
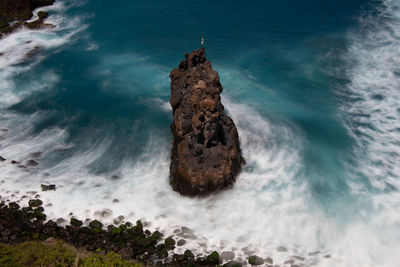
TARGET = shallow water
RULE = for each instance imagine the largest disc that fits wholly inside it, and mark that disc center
(313, 89)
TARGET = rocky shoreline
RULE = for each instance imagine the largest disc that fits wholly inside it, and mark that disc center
(132, 241)
(14, 14)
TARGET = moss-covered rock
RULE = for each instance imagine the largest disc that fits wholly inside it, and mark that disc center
(95, 224)
(75, 222)
(116, 230)
(255, 260)
(213, 258)
(35, 203)
(48, 187)
(96, 230)
(169, 241)
(40, 216)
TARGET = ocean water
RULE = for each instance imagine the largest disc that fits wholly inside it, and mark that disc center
(313, 87)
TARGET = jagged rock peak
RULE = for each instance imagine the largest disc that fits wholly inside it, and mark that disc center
(205, 156)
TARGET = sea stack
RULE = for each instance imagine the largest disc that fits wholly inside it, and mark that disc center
(206, 155)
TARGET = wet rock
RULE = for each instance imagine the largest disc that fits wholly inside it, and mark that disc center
(60, 220)
(185, 231)
(299, 258)
(18, 10)
(181, 242)
(115, 200)
(104, 213)
(35, 203)
(233, 264)
(32, 162)
(14, 162)
(169, 241)
(227, 255)
(2, 159)
(269, 261)
(42, 15)
(213, 258)
(36, 154)
(50, 187)
(95, 224)
(247, 251)
(289, 262)
(114, 177)
(314, 253)
(255, 260)
(281, 249)
(76, 222)
(206, 155)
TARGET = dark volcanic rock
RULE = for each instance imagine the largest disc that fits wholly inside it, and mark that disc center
(206, 155)
(48, 187)
(21, 10)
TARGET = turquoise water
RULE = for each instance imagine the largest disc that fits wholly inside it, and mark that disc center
(312, 87)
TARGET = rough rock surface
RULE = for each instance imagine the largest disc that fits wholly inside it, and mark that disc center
(205, 155)
(21, 10)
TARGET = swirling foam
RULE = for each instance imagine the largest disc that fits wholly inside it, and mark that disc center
(371, 111)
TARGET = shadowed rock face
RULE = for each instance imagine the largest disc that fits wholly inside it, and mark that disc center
(205, 155)
(20, 10)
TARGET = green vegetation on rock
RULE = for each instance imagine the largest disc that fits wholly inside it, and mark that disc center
(255, 260)
(35, 203)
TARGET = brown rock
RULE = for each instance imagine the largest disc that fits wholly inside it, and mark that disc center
(21, 10)
(206, 155)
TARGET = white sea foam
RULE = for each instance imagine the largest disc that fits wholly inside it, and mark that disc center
(371, 104)
(28, 46)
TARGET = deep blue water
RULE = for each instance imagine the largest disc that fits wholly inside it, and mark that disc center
(312, 86)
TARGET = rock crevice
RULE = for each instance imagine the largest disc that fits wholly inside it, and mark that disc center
(206, 155)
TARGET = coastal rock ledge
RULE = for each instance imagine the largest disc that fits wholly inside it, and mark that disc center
(206, 155)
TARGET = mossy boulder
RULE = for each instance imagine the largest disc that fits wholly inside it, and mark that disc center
(76, 222)
(95, 224)
(116, 230)
(96, 230)
(35, 203)
(255, 260)
(48, 187)
(169, 241)
(213, 258)
(40, 216)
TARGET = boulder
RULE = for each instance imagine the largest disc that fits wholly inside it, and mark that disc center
(50, 187)
(206, 155)
(255, 260)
